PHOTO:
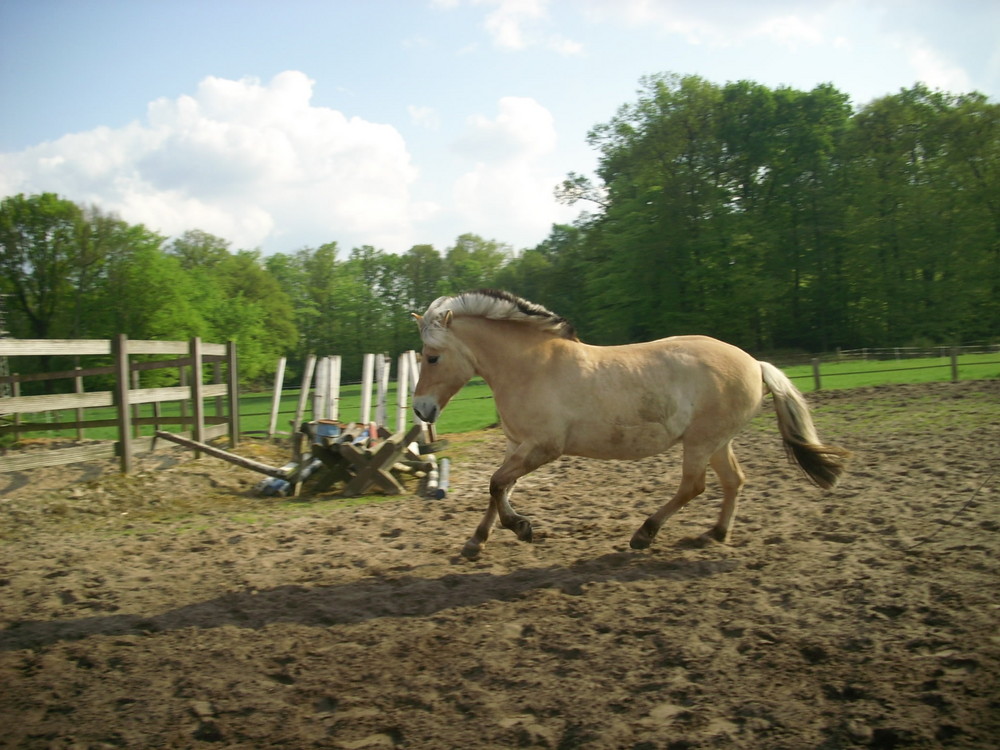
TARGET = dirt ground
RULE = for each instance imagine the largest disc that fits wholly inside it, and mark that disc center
(177, 608)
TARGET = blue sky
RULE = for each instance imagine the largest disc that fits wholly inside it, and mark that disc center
(286, 124)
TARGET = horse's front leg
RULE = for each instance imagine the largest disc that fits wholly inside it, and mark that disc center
(520, 460)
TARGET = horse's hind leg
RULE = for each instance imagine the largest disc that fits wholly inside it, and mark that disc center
(692, 484)
(731, 478)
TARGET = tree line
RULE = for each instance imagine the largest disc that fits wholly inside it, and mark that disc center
(774, 218)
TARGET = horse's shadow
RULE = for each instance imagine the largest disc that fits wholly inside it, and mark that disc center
(359, 601)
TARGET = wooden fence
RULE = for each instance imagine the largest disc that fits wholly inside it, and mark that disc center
(125, 397)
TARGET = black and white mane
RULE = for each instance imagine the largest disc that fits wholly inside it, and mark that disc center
(496, 304)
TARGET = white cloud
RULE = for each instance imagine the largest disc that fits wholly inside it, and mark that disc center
(519, 24)
(933, 69)
(254, 163)
(522, 129)
(721, 23)
(424, 117)
(508, 185)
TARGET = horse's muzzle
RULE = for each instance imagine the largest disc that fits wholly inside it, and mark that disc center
(426, 409)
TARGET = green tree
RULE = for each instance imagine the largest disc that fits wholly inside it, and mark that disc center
(472, 263)
(40, 250)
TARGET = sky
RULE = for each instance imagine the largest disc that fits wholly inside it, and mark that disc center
(285, 124)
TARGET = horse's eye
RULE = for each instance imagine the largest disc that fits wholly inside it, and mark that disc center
(433, 359)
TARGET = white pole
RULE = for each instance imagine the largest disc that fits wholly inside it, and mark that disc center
(426, 430)
(321, 390)
(367, 371)
(402, 391)
(414, 370)
(335, 387)
(381, 388)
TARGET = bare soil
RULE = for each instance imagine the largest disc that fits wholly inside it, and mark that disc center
(176, 608)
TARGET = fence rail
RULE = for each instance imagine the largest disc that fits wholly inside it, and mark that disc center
(125, 397)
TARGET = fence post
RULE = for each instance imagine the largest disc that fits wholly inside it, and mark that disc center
(816, 380)
(78, 388)
(136, 408)
(119, 349)
(16, 391)
(197, 394)
(233, 378)
(954, 364)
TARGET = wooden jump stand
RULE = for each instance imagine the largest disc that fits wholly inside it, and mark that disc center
(362, 459)
(362, 456)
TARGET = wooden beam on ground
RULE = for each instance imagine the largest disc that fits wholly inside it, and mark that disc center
(246, 463)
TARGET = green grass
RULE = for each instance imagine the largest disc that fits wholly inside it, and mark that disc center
(860, 373)
(473, 408)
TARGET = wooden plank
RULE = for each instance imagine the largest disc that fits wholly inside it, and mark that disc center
(173, 393)
(35, 347)
(61, 374)
(39, 459)
(145, 346)
(34, 404)
(139, 346)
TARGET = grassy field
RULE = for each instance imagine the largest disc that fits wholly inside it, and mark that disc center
(473, 408)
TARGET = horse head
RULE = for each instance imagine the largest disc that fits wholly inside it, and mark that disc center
(446, 364)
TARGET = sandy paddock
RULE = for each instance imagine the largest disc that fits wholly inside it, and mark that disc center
(175, 608)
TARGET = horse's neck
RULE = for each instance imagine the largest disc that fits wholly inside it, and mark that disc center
(503, 349)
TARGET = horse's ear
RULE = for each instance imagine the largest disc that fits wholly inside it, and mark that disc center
(446, 320)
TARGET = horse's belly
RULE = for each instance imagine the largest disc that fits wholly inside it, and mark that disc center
(621, 441)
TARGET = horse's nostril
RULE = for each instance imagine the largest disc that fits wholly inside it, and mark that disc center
(426, 412)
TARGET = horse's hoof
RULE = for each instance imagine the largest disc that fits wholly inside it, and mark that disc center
(640, 540)
(471, 550)
(524, 531)
(644, 536)
(715, 534)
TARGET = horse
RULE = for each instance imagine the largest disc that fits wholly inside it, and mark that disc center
(559, 396)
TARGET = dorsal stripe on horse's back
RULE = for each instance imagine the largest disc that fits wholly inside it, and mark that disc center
(496, 304)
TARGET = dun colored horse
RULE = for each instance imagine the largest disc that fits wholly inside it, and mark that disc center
(558, 396)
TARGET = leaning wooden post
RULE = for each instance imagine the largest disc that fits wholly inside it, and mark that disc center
(307, 378)
(197, 394)
(816, 380)
(233, 389)
(279, 381)
(119, 350)
(954, 364)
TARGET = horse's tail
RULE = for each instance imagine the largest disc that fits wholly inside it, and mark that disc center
(823, 464)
